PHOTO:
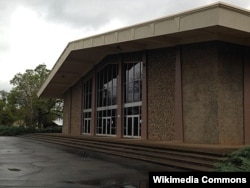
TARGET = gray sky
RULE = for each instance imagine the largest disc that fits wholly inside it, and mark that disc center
(33, 32)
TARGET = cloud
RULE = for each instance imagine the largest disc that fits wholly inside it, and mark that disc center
(33, 32)
(5, 85)
(31, 41)
(96, 13)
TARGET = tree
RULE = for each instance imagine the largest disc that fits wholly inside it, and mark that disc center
(6, 115)
(33, 111)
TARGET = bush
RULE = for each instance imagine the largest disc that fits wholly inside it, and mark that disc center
(50, 130)
(238, 161)
(13, 131)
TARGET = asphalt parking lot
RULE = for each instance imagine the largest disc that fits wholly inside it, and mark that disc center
(27, 163)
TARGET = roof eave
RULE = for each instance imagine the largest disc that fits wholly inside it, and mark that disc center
(215, 22)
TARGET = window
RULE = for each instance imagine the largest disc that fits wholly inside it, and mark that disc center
(107, 86)
(132, 81)
(87, 104)
(87, 94)
(132, 78)
(107, 100)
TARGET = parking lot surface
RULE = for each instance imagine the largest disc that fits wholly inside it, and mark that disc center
(28, 163)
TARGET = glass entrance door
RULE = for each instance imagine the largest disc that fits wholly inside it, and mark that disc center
(106, 125)
(86, 126)
(132, 127)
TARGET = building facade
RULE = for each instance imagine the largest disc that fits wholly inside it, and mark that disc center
(182, 78)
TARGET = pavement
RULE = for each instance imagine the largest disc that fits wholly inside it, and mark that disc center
(26, 163)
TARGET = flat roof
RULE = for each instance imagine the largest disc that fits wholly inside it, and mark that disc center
(218, 21)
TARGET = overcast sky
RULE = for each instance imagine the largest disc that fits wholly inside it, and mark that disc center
(34, 32)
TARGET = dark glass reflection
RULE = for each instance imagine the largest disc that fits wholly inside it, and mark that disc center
(107, 86)
(87, 102)
(132, 81)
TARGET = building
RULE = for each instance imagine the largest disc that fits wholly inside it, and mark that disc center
(184, 78)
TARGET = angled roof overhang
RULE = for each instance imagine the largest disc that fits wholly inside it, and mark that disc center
(215, 22)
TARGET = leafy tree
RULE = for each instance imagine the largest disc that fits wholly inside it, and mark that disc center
(31, 110)
(6, 115)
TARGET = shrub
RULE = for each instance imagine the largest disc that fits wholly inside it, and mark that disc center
(238, 161)
(13, 131)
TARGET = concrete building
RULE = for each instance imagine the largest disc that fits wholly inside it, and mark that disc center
(184, 78)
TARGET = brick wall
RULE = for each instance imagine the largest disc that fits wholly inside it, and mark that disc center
(161, 81)
(212, 80)
(66, 112)
(76, 110)
(230, 94)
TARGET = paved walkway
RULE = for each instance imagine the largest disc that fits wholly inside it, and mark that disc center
(26, 163)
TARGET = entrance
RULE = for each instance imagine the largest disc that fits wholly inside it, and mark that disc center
(106, 125)
(132, 127)
(86, 126)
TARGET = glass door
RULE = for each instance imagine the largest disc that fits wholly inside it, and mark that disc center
(106, 125)
(132, 127)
